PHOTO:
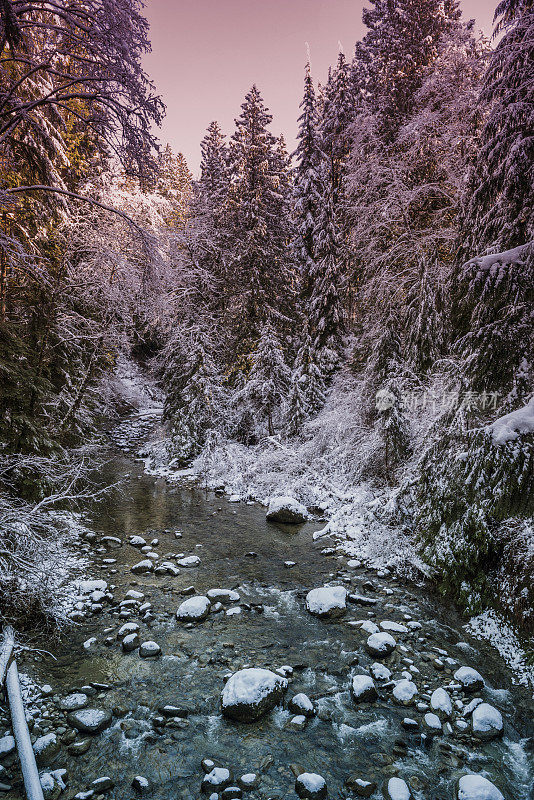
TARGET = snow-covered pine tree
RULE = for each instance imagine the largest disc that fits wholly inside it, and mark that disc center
(401, 43)
(308, 187)
(257, 226)
(307, 391)
(425, 323)
(194, 401)
(336, 119)
(494, 319)
(213, 181)
(499, 212)
(326, 311)
(259, 403)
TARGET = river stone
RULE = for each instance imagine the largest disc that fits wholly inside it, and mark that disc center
(127, 629)
(432, 724)
(149, 650)
(361, 787)
(380, 672)
(103, 784)
(286, 510)
(397, 789)
(327, 601)
(223, 595)
(363, 689)
(46, 748)
(405, 692)
(74, 701)
(301, 704)
(311, 786)
(189, 561)
(441, 702)
(487, 722)
(130, 642)
(232, 793)
(52, 783)
(141, 784)
(380, 645)
(250, 693)
(471, 680)
(476, 787)
(143, 566)
(194, 609)
(249, 780)
(216, 780)
(90, 720)
(79, 748)
(7, 746)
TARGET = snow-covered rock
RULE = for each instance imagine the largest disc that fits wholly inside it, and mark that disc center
(46, 748)
(487, 722)
(327, 601)
(7, 746)
(432, 723)
(74, 701)
(380, 672)
(363, 689)
(405, 692)
(471, 680)
(476, 787)
(89, 720)
(440, 701)
(380, 645)
(311, 786)
(216, 780)
(250, 693)
(149, 650)
(142, 567)
(286, 510)
(397, 789)
(194, 609)
(223, 595)
(301, 704)
(189, 561)
(395, 627)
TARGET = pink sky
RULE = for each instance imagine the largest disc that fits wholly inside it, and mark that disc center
(206, 54)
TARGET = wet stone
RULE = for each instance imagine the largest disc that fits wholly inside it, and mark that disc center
(311, 786)
(90, 720)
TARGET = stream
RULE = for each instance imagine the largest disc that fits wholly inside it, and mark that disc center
(269, 627)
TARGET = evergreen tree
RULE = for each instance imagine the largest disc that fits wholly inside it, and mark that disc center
(326, 311)
(402, 42)
(257, 225)
(308, 189)
(259, 402)
(499, 211)
(425, 326)
(194, 400)
(307, 391)
(336, 119)
(213, 181)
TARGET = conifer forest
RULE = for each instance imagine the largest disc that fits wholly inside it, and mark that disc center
(267, 425)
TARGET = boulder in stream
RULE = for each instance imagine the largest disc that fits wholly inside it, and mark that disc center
(487, 722)
(90, 720)
(380, 645)
(286, 510)
(311, 786)
(250, 693)
(327, 601)
(476, 787)
(194, 609)
(363, 689)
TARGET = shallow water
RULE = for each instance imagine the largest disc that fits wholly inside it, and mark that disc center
(274, 630)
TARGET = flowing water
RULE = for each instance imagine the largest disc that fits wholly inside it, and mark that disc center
(238, 549)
